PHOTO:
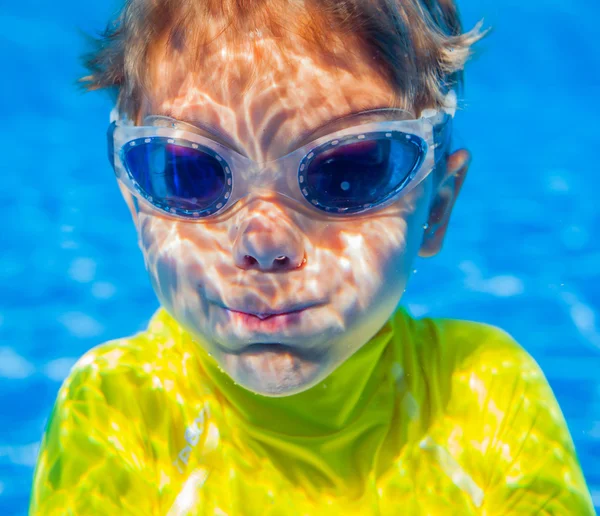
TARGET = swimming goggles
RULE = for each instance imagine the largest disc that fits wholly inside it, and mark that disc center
(368, 162)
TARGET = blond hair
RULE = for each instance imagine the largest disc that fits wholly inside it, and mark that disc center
(418, 44)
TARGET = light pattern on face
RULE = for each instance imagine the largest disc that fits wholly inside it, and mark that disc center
(333, 282)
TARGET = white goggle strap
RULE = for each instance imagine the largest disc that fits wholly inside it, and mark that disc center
(449, 109)
(442, 124)
(114, 115)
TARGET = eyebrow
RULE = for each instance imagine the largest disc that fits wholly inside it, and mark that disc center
(297, 143)
(213, 134)
(319, 131)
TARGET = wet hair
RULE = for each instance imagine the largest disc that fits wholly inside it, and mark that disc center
(418, 44)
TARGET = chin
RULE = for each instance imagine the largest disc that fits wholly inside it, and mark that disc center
(273, 371)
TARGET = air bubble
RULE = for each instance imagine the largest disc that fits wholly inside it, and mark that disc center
(345, 185)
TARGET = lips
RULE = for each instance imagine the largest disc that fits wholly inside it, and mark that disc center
(266, 322)
(263, 311)
(267, 315)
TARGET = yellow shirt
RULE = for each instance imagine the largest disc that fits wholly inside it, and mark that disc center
(431, 417)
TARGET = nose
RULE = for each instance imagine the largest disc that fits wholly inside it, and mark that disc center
(267, 240)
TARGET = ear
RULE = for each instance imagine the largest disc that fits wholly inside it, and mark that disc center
(443, 200)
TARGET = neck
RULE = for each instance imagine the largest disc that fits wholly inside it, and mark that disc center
(326, 407)
(335, 429)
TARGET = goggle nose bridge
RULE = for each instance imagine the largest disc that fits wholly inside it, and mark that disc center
(267, 176)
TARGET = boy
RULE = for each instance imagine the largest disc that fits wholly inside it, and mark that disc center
(284, 163)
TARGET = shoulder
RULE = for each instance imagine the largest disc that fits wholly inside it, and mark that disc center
(134, 359)
(474, 346)
(453, 347)
(502, 423)
(119, 421)
(484, 368)
(96, 437)
(120, 379)
(454, 340)
(478, 374)
(488, 367)
(441, 355)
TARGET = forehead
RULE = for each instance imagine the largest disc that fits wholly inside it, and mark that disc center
(265, 93)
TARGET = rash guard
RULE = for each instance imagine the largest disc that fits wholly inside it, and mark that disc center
(430, 417)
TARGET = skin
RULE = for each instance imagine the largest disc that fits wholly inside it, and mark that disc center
(348, 275)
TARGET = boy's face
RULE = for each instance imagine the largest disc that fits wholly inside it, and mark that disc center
(333, 283)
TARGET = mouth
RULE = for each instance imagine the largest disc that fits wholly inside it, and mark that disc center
(270, 322)
(267, 315)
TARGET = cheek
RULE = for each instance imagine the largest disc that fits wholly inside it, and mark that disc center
(372, 251)
(377, 253)
(179, 256)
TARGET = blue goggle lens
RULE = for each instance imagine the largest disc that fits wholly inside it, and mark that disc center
(357, 174)
(177, 177)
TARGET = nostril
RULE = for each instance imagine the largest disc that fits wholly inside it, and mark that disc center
(249, 261)
(277, 263)
(281, 261)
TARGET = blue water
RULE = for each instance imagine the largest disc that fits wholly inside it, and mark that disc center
(523, 250)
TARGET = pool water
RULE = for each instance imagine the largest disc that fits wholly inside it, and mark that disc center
(523, 249)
